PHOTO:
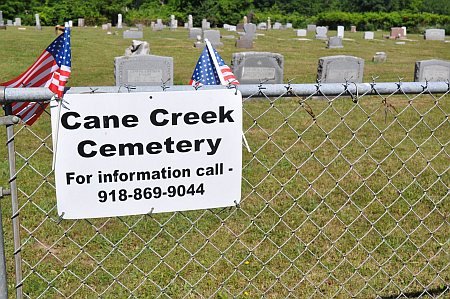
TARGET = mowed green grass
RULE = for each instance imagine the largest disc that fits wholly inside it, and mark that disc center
(351, 203)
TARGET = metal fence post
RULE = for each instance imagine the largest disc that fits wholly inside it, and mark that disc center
(14, 202)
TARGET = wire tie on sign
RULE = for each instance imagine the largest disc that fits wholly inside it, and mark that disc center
(236, 204)
(60, 218)
(232, 86)
(163, 84)
(151, 212)
(197, 84)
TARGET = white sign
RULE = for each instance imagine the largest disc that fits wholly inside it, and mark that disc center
(136, 153)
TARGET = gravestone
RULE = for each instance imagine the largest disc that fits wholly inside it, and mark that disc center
(71, 23)
(159, 26)
(18, 22)
(232, 28)
(80, 22)
(269, 23)
(246, 41)
(138, 48)
(432, 70)
(194, 32)
(379, 57)
(262, 26)
(205, 25)
(335, 42)
(340, 31)
(311, 28)
(397, 33)
(368, 35)
(352, 29)
(104, 26)
(135, 34)
(435, 34)
(245, 20)
(256, 67)
(199, 43)
(173, 23)
(321, 32)
(2, 22)
(119, 21)
(143, 70)
(38, 22)
(277, 26)
(337, 69)
(213, 36)
(288, 26)
(190, 22)
(301, 32)
(9, 22)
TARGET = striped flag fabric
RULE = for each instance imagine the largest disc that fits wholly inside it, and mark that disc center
(211, 69)
(51, 69)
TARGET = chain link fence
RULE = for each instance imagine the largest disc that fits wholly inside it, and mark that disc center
(345, 193)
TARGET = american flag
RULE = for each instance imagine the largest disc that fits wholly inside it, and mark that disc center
(211, 69)
(51, 69)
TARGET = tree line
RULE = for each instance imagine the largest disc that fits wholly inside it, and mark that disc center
(218, 12)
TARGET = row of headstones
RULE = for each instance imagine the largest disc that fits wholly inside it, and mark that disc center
(245, 41)
(257, 67)
(396, 33)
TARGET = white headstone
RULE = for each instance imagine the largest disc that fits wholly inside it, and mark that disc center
(119, 21)
(340, 31)
(190, 22)
(38, 22)
(70, 24)
(301, 32)
(18, 22)
(368, 35)
(321, 32)
(435, 34)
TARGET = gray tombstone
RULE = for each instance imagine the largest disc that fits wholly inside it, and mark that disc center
(190, 22)
(134, 34)
(119, 21)
(246, 41)
(435, 34)
(311, 28)
(143, 70)
(353, 29)
(38, 22)
(159, 26)
(205, 24)
(321, 32)
(80, 22)
(269, 23)
(277, 26)
(337, 69)
(194, 32)
(288, 26)
(340, 31)
(213, 36)
(262, 26)
(432, 70)
(368, 35)
(379, 57)
(256, 67)
(335, 42)
(9, 22)
(301, 32)
(18, 22)
(138, 48)
(1, 15)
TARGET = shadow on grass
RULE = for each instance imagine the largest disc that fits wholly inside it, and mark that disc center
(433, 293)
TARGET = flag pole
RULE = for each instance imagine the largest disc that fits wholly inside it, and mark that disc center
(216, 63)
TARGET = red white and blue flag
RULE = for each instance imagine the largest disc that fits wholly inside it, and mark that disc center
(51, 69)
(211, 69)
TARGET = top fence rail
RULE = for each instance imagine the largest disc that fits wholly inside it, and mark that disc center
(267, 90)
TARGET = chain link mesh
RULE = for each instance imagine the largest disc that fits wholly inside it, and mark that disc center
(341, 197)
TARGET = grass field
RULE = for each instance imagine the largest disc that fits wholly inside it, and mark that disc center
(354, 203)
